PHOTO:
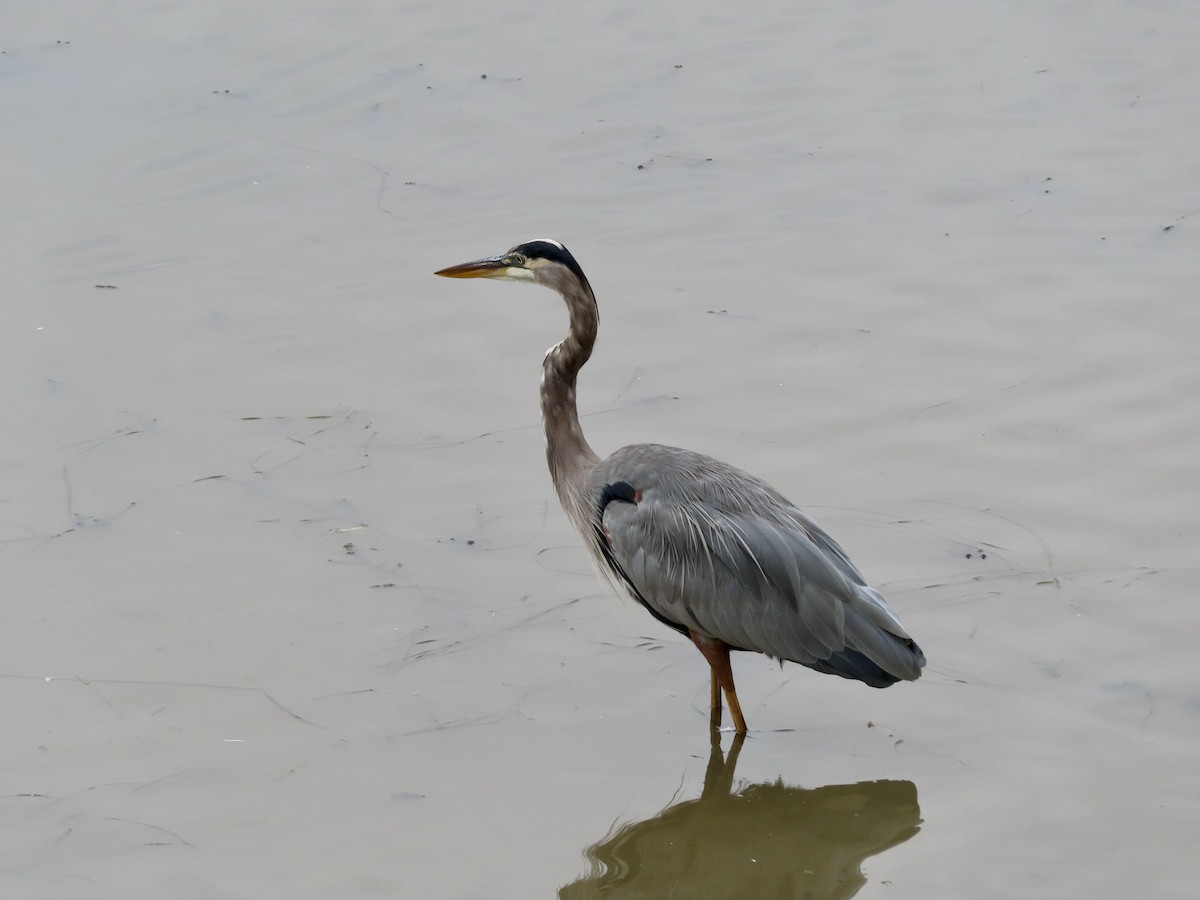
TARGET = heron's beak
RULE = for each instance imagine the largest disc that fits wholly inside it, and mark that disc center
(492, 267)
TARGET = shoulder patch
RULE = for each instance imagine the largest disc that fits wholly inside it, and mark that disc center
(618, 490)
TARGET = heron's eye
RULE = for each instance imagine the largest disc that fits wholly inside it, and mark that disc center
(515, 259)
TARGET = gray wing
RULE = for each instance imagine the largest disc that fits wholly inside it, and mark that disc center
(711, 549)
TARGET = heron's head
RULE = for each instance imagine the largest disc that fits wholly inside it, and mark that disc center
(542, 262)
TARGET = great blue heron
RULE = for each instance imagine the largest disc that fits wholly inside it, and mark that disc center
(709, 550)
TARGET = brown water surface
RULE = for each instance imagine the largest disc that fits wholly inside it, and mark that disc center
(289, 606)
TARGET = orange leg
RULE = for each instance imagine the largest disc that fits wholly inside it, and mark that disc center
(714, 703)
(717, 653)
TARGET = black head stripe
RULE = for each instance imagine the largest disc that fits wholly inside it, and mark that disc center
(553, 251)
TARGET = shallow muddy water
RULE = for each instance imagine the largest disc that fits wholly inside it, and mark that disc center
(289, 605)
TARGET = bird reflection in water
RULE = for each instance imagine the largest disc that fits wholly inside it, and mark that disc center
(765, 840)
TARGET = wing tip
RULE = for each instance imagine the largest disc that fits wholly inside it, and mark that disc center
(852, 663)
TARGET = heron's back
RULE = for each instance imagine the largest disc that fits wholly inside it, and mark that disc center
(711, 549)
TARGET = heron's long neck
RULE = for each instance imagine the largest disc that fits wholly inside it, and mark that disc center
(567, 450)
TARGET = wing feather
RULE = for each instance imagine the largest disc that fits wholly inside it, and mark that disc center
(711, 549)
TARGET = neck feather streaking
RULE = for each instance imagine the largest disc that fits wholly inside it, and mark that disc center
(567, 450)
